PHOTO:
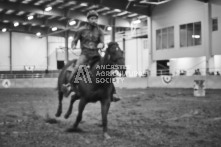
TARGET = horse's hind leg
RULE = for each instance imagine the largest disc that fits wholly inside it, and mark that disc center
(81, 107)
(73, 99)
(60, 98)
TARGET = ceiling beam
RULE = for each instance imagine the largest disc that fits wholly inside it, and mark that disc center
(37, 21)
(119, 4)
(105, 20)
(29, 29)
(205, 1)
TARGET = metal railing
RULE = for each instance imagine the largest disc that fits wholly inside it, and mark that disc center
(33, 75)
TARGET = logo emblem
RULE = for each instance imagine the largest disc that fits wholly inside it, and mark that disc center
(6, 83)
(166, 79)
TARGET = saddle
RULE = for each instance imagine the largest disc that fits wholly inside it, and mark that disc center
(93, 60)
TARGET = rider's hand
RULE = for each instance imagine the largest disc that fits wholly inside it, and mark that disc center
(73, 46)
(100, 45)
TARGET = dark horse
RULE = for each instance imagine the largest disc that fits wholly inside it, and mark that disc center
(97, 86)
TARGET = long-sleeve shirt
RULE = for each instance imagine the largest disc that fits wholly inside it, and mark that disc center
(89, 37)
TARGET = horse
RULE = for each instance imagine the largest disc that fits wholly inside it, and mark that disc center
(94, 84)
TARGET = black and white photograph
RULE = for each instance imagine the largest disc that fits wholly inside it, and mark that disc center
(110, 73)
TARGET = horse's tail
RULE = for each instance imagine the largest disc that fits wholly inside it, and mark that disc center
(63, 75)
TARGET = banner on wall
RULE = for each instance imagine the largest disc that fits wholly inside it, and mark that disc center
(6, 83)
(167, 79)
(29, 67)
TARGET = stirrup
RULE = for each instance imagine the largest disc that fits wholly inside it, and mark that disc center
(115, 98)
(66, 88)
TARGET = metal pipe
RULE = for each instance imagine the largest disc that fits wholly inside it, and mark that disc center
(113, 29)
(66, 47)
(47, 53)
(10, 51)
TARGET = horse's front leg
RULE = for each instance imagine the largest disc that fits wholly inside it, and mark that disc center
(60, 98)
(105, 105)
(73, 99)
(81, 107)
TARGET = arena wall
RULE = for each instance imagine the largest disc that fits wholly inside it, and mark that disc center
(211, 82)
(4, 52)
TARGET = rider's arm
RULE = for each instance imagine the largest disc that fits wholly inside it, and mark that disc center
(101, 38)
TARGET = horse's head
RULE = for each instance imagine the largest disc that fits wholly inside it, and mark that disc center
(115, 56)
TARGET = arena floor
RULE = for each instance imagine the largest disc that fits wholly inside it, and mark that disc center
(143, 118)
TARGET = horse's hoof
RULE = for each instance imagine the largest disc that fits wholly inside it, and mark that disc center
(66, 116)
(106, 136)
(99, 125)
(74, 130)
(58, 114)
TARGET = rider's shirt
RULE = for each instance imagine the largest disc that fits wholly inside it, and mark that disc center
(89, 36)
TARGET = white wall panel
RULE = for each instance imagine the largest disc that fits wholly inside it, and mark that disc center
(4, 52)
(54, 44)
(175, 13)
(216, 35)
(28, 50)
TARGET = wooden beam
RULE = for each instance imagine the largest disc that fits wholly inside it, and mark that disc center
(118, 4)
(55, 12)
(37, 21)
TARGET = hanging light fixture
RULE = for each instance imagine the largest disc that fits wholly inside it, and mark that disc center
(109, 28)
(4, 30)
(38, 34)
(136, 21)
(54, 29)
(30, 17)
(48, 8)
(70, 38)
(16, 24)
(72, 22)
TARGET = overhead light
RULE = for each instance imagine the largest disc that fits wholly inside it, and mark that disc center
(54, 29)
(117, 10)
(38, 34)
(72, 22)
(136, 21)
(30, 17)
(4, 30)
(5, 21)
(70, 38)
(196, 36)
(154, 3)
(49, 8)
(109, 28)
(16, 24)
(84, 4)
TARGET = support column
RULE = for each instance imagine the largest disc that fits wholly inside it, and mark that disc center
(10, 51)
(113, 29)
(208, 34)
(47, 54)
(150, 46)
(124, 44)
(66, 47)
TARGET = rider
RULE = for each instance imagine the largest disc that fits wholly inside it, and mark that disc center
(91, 38)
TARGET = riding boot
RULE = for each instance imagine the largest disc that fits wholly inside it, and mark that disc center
(115, 98)
(68, 88)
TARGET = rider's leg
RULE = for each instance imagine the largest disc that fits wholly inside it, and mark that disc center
(68, 87)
